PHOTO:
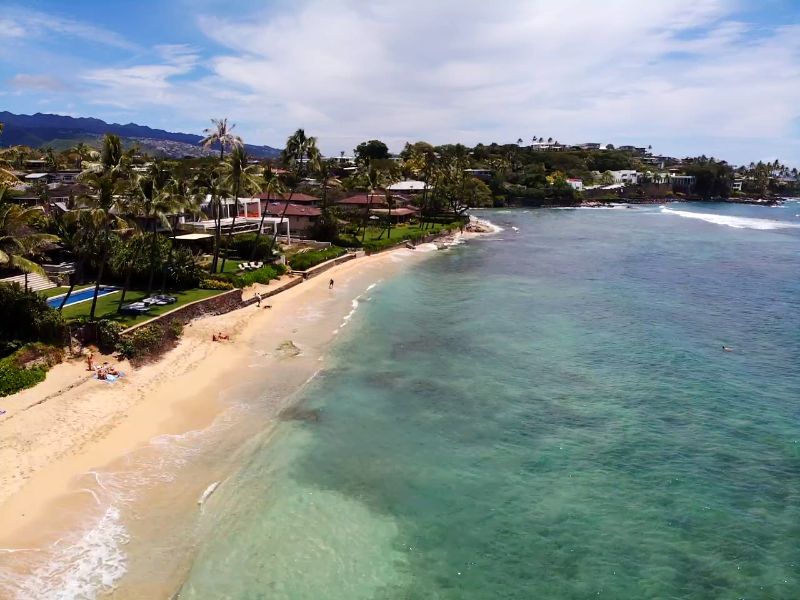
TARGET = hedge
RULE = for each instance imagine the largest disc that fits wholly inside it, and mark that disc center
(306, 260)
(241, 280)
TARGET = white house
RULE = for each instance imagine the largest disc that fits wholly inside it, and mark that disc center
(409, 186)
(626, 176)
(576, 184)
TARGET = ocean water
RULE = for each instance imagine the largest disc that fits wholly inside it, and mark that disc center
(543, 413)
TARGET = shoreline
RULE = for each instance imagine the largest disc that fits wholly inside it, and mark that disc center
(49, 445)
(589, 203)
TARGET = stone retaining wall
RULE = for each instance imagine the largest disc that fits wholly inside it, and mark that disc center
(322, 267)
(215, 305)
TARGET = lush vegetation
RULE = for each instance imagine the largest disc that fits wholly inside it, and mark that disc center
(302, 261)
(235, 278)
(27, 366)
(150, 341)
(27, 318)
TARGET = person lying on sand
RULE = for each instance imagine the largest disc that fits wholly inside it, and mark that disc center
(218, 337)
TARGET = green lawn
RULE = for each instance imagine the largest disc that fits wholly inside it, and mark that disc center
(377, 239)
(107, 305)
(57, 291)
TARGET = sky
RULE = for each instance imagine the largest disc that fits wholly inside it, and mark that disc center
(689, 77)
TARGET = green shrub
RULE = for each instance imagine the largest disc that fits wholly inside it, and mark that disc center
(306, 260)
(15, 375)
(108, 335)
(26, 317)
(150, 341)
(214, 283)
(262, 275)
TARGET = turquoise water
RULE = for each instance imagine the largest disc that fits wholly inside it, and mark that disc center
(545, 413)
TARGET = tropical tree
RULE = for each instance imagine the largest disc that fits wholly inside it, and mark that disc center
(208, 183)
(221, 133)
(19, 240)
(300, 151)
(239, 177)
(153, 200)
(107, 178)
(272, 186)
(76, 232)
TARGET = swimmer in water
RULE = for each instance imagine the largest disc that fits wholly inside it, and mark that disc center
(726, 349)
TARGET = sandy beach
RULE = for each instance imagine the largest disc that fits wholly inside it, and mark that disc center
(71, 426)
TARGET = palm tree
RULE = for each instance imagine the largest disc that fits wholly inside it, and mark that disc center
(221, 133)
(239, 177)
(300, 151)
(519, 141)
(108, 180)
(273, 187)
(18, 238)
(153, 200)
(184, 200)
(549, 140)
(208, 183)
(79, 152)
(76, 232)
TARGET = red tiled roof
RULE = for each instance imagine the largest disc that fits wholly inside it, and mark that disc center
(296, 197)
(292, 210)
(362, 199)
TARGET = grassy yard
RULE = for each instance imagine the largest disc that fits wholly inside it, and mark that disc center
(57, 291)
(377, 238)
(107, 305)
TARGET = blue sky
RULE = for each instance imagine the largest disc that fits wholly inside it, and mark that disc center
(719, 77)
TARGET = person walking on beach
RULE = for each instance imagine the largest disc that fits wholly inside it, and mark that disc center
(330, 284)
(90, 361)
(258, 300)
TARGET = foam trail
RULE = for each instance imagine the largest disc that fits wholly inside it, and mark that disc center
(735, 222)
(207, 493)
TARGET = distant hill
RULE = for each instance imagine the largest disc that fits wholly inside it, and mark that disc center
(60, 132)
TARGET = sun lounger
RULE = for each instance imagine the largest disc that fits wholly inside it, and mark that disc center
(135, 308)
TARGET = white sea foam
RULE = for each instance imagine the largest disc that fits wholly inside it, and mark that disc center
(349, 315)
(85, 567)
(731, 221)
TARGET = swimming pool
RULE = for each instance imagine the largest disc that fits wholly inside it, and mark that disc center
(81, 295)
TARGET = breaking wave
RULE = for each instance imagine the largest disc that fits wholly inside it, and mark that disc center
(735, 222)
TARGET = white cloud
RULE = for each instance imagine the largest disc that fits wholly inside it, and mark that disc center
(615, 71)
(25, 81)
(688, 76)
(23, 22)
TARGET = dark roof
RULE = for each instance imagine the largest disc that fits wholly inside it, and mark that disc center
(364, 199)
(292, 210)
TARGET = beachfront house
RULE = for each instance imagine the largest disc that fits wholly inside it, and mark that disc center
(360, 202)
(575, 184)
(301, 219)
(682, 183)
(626, 176)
